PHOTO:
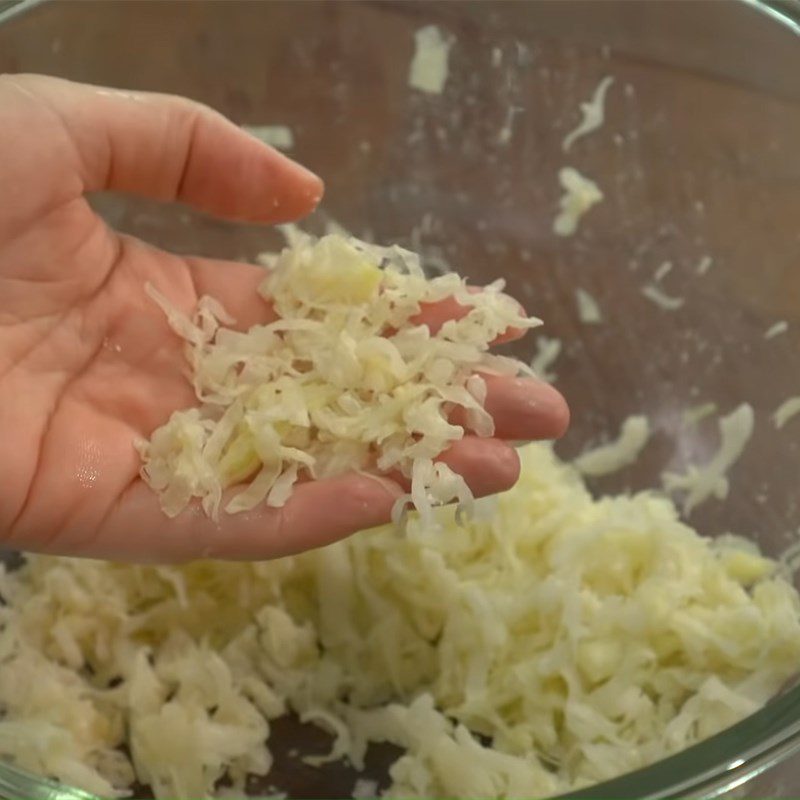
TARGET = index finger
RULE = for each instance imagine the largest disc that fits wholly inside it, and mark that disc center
(172, 148)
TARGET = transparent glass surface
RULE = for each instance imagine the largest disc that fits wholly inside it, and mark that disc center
(699, 158)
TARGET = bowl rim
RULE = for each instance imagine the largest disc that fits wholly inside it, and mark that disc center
(712, 767)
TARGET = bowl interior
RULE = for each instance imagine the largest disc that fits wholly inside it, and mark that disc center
(697, 159)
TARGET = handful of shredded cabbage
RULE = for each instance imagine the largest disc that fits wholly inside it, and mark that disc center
(549, 642)
(345, 379)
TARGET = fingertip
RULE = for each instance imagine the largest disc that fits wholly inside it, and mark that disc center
(301, 189)
(523, 409)
(303, 193)
(488, 466)
(233, 174)
(285, 190)
(548, 412)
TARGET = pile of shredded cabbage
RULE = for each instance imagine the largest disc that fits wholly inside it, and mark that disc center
(346, 378)
(551, 642)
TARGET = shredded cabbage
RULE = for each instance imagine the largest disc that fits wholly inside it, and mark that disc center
(777, 329)
(615, 455)
(549, 643)
(786, 410)
(547, 351)
(694, 414)
(429, 67)
(699, 484)
(664, 269)
(704, 265)
(278, 136)
(660, 298)
(592, 114)
(580, 194)
(588, 309)
(364, 788)
(345, 379)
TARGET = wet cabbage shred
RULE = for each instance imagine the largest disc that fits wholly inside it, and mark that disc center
(550, 641)
(345, 379)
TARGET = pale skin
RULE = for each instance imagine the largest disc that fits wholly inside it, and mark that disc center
(88, 363)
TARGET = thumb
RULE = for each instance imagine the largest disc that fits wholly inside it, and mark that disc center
(171, 148)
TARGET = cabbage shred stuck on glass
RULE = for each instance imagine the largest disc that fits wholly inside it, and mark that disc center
(346, 378)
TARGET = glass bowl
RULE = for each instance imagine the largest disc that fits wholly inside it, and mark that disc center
(698, 159)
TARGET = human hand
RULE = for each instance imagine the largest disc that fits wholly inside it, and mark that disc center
(88, 363)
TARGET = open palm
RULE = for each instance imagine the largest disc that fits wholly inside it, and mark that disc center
(87, 361)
